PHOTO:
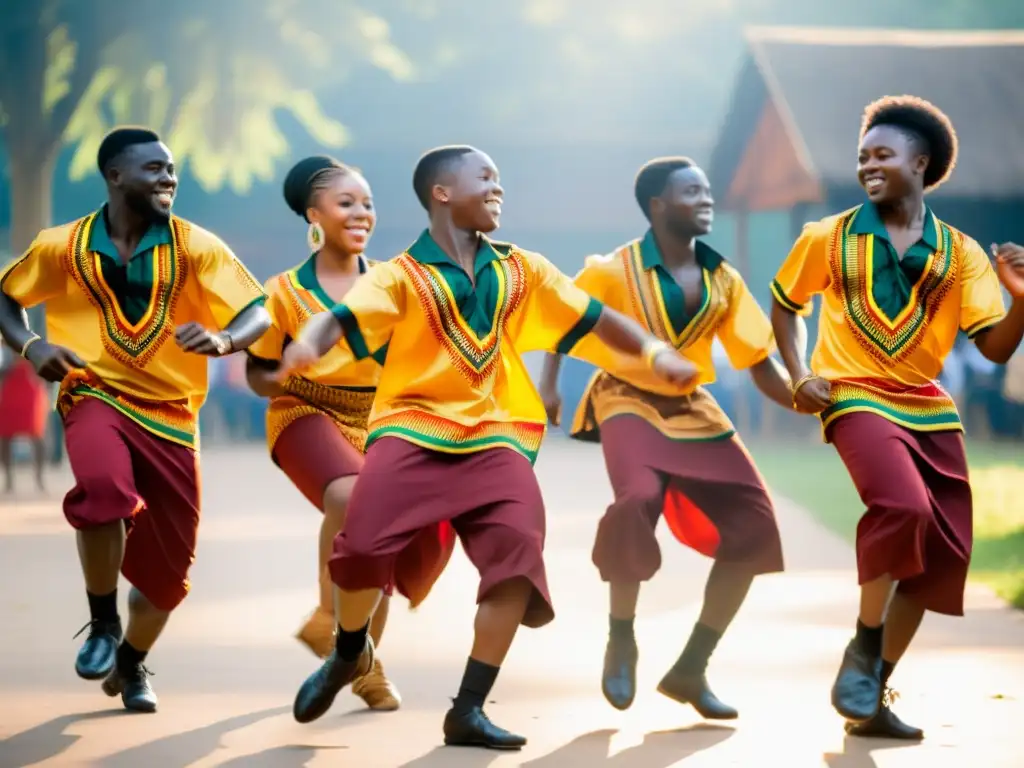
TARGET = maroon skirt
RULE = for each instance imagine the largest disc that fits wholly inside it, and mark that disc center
(709, 492)
(313, 453)
(123, 472)
(919, 518)
(408, 505)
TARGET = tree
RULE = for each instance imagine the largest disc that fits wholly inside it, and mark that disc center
(210, 77)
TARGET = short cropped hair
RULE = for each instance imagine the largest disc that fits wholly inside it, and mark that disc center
(434, 164)
(652, 179)
(118, 140)
(922, 122)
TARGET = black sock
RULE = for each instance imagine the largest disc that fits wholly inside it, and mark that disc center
(103, 607)
(477, 682)
(351, 644)
(702, 643)
(887, 668)
(128, 656)
(869, 639)
(621, 629)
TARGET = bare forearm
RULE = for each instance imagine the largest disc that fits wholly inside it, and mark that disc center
(261, 376)
(999, 342)
(621, 333)
(247, 327)
(771, 378)
(322, 331)
(791, 338)
(549, 374)
(14, 324)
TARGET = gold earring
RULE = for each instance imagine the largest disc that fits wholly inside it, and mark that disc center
(315, 236)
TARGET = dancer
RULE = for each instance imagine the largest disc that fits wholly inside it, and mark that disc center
(672, 451)
(129, 291)
(897, 285)
(455, 427)
(24, 412)
(316, 424)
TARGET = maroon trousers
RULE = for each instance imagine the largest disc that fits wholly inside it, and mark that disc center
(709, 493)
(123, 472)
(919, 519)
(408, 505)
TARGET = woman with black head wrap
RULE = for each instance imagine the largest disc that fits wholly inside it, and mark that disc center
(316, 423)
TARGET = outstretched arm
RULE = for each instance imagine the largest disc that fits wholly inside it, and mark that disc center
(996, 340)
(359, 326)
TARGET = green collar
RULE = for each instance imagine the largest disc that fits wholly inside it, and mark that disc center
(650, 255)
(866, 221)
(100, 242)
(305, 275)
(426, 251)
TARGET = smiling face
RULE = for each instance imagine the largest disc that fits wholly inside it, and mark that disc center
(472, 193)
(890, 164)
(686, 205)
(344, 208)
(144, 176)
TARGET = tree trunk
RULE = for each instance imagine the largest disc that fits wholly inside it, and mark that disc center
(31, 194)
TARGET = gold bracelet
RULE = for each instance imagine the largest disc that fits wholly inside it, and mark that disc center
(800, 382)
(651, 349)
(29, 343)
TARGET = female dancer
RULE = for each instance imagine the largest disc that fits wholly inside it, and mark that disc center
(316, 423)
(897, 284)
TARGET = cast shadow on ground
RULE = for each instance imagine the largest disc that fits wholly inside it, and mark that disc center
(46, 740)
(49, 740)
(659, 749)
(857, 752)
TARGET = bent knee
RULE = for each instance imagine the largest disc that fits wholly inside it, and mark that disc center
(100, 500)
(337, 495)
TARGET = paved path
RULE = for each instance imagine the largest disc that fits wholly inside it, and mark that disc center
(227, 667)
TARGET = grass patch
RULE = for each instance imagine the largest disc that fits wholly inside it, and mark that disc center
(812, 475)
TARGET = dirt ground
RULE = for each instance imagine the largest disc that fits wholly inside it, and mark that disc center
(227, 668)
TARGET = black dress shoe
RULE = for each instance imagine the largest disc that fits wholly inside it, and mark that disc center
(885, 725)
(857, 692)
(693, 690)
(472, 728)
(97, 654)
(133, 684)
(317, 693)
(618, 680)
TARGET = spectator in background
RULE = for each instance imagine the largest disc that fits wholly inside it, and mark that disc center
(24, 408)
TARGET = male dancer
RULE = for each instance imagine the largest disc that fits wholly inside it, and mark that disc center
(131, 295)
(897, 285)
(455, 426)
(672, 450)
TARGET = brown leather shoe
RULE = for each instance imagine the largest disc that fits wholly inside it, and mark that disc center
(318, 633)
(376, 690)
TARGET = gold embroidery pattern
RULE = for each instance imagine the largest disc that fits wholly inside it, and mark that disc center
(884, 340)
(648, 307)
(172, 420)
(132, 346)
(476, 359)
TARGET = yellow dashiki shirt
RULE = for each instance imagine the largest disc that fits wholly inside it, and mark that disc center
(120, 317)
(887, 324)
(454, 379)
(333, 387)
(633, 280)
